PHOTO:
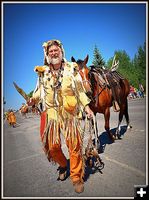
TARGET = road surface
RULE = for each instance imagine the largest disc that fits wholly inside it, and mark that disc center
(26, 171)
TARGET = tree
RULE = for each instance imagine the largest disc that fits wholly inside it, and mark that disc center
(125, 63)
(30, 94)
(139, 64)
(98, 61)
(134, 70)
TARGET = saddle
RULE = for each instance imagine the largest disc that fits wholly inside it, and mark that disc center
(110, 79)
(100, 73)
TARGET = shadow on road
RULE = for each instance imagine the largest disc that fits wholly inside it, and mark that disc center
(104, 138)
(88, 171)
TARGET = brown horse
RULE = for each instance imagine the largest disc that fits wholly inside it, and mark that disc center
(102, 98)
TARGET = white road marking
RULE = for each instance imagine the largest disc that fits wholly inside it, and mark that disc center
(126, 166)
(106, 157)
(28, 157)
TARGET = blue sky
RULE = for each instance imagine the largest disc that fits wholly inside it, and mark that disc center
(79, 26)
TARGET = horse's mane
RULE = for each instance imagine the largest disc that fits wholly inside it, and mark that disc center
(80, 63)
(92, 80)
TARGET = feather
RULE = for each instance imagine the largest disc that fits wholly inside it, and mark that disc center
(21, 91)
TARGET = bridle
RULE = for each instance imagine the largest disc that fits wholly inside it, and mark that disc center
(84, 80)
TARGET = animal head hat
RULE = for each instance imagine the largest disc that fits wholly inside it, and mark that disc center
(48, 44)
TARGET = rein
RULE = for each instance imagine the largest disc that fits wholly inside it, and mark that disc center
(99, 92)
(91, 150)
(86, 81)
(100, 83)
(91, 129)
(95, 133)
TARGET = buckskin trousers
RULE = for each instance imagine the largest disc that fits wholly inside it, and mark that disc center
(52, 148)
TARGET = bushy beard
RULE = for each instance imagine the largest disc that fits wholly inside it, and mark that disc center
(55, 60)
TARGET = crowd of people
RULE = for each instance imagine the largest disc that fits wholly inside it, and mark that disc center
(136, 92)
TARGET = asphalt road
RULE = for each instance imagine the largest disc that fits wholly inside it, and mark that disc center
(26, 171)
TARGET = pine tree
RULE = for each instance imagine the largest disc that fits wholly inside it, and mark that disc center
(139, 64)
(31, 93)
(98, 61)
(134, 70)
(125, 64)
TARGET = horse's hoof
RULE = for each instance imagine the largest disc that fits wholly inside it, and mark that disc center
(113, 138)
(120, 136)
(129, 127)
(100, 165)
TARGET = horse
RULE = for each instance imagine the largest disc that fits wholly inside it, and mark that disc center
(101, 97)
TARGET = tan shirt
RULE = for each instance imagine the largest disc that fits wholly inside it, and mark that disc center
(70, 94)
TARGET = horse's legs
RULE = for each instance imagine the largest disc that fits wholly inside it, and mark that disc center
(123, 111)
(117, 134)
(127, 117)
(107, 125)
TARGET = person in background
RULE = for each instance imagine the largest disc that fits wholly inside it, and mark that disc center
(141, 89)
(132, 91)
(11, 118)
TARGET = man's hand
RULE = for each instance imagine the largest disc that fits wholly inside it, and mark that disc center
(31, 102)
(89, 112)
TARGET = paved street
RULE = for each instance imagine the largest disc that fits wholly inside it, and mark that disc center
(27, 172)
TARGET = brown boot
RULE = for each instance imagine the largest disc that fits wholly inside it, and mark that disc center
(79, 187)
(62, 173)
(116, 107)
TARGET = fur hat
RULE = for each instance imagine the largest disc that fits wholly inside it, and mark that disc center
(48, 44)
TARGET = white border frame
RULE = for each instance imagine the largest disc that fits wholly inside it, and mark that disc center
(2, 61)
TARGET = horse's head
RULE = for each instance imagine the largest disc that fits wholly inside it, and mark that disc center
(84, 72)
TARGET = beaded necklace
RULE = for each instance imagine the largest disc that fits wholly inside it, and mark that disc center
(56, 77)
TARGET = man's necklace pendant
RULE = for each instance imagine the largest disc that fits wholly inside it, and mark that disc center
(57, 79)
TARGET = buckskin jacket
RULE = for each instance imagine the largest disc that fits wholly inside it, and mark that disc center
(62, 95)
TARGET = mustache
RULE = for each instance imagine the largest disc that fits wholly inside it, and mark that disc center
(55, 60)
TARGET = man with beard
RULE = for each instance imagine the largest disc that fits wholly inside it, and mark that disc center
(61, 96)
